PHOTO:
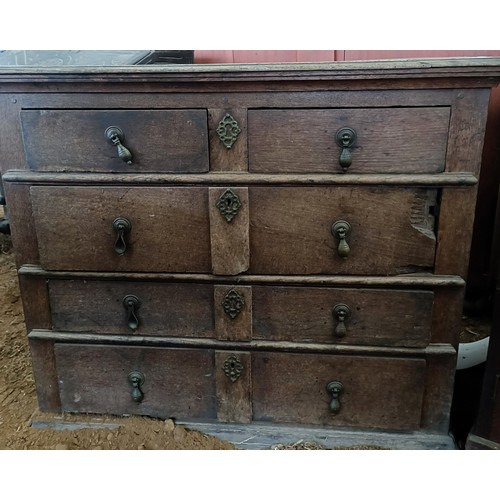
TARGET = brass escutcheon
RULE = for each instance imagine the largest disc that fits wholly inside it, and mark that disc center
(228, 130)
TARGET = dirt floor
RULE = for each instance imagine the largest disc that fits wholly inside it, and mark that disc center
(18, 406)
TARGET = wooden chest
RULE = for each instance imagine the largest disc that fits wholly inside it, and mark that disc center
(280, 245)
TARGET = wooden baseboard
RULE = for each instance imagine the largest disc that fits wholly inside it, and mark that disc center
(261, 436)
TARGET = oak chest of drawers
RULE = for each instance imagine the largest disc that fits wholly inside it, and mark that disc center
(255, 245)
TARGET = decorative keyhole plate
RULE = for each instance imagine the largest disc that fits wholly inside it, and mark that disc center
(233, 304)
(232, 368)
(228, 204)
(228, 130)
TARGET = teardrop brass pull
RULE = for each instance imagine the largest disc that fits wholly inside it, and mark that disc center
(335, 389)
(115, 137)
(131, 304)
(340, 230)
(122, 227)
(345, 138)
(341, 313)
(136, 379)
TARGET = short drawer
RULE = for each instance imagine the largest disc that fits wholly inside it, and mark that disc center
(176, 383)
(379, 140)
(383, 140)
(341, 230)
(342, 315)
(122, 229)
(344, 391)
(83, 140)
(132, 307)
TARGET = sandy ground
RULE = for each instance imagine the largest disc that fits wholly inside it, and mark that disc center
(18, 405)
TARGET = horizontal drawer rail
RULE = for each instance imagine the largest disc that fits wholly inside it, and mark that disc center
(254, 345)
(413, 280)
(450, 179)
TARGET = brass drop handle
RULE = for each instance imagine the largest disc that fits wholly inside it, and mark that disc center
(136, 379)
(341, 230)
(345, 138)
(335, 389)
(131, 304)
(115, 136)
(121, 227)
(341, 313)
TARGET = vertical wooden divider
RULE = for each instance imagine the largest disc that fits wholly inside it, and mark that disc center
(230, 242)
(233, 379)
(228, 159)
(230, 297)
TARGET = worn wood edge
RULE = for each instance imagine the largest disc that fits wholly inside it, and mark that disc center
(472, 67)
(258, 436)
(475, 442)
(412, 280)
(230, 345)
(443, 179)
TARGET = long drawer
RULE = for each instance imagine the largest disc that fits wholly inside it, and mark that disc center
(291, 230)
(314, 315)
(332, 391)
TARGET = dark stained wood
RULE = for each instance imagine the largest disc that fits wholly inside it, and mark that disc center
(238, 328)
(487, 425)
(456, 220)
(438, 396)
(170, 230)
(235, 158)
(447, 315)
(242, 179)
(178, 383)
(36, 306)
(44, 370)
(11, 143)
(378, 392)
(237, 100)
(305, 314)
(229, 240)
(467, 127)
(290, 230)
(231, 345)
(399, 140)
(234, 398)
(418, 72)
(423, 280)
(74, 140)
(409, 197)
(22, 227)
(171, 309)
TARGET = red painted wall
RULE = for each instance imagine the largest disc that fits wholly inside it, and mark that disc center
(255, 56)
(485, 252)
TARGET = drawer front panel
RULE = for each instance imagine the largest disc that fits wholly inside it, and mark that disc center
(388, 140)
(384, 393)
(128, 307)
(390, 231)
(169, 228)
(178, 383)
(75, 140)
(342, 316)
